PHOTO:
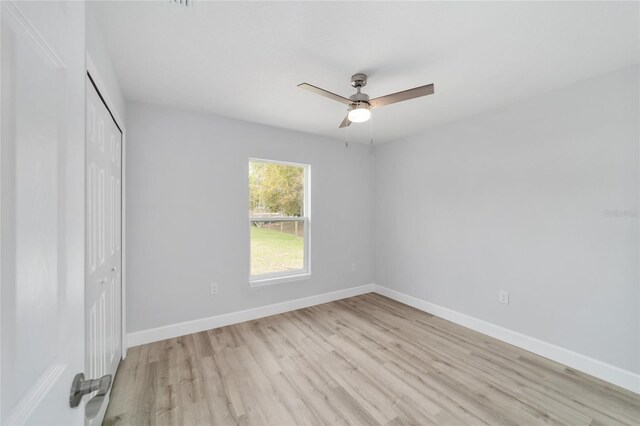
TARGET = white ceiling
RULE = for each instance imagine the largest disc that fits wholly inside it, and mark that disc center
(244, 59)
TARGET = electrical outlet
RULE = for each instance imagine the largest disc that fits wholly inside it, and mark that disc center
(214, 288)
(503, 297)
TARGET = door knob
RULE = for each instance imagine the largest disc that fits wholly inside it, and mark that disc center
(81, 387)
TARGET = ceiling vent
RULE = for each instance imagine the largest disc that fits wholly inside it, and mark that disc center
(187, 3)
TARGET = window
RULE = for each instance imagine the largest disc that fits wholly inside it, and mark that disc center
(278, 221)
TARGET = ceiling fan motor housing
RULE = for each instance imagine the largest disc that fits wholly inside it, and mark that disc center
(359, 98)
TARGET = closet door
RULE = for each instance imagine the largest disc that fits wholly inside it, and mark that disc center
(103, 239)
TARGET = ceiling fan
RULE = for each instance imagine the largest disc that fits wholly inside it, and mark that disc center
(360, 105)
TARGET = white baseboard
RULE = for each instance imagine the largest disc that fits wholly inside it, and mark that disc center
(180, 329)
(610, 373)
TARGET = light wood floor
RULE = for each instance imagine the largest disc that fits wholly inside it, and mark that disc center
(366, 360)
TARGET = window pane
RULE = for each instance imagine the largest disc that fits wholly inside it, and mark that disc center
(277, 246)
(275, 190)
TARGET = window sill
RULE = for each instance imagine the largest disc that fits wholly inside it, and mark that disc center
(261, 282)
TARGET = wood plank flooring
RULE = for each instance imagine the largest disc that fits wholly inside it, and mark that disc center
(366, 360)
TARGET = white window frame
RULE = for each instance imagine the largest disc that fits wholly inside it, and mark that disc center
(286, 276)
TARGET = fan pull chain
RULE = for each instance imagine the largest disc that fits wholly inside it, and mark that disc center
(371, 129)
(346, 141)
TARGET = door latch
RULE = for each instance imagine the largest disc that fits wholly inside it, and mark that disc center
(81, 387)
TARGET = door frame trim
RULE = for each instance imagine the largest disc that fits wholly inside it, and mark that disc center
(94, 74)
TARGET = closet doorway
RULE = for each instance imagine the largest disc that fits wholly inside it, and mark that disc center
(103, 246)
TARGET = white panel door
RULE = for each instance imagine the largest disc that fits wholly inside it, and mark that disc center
(103, 240)
(41, 210)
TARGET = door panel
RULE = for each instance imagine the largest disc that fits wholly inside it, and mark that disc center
(103, 297)
(41, 210)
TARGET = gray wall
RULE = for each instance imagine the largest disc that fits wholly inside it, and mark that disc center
(515, 200)
(187, 214)
(100, 57)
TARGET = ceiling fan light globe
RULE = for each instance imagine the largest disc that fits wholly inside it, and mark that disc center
(359, 115)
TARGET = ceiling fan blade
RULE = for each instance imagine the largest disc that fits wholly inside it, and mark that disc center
(405, 95)
(345, 122)
(325, 93)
